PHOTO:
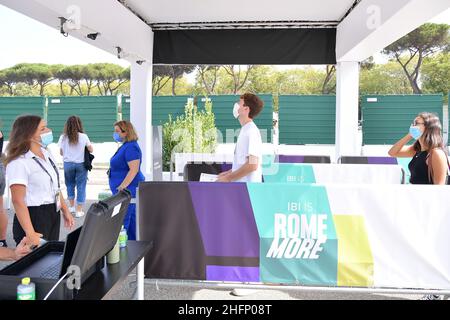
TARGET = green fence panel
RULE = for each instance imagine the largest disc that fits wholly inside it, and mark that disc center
(386, 118)
(98, 115)
(162, 106)
(12, 107)
(165, 105)
(222, 108)
(307, 119)
(125, 108)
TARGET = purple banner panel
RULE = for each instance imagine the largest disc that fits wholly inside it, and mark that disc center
(381, 160)
(290, 159)
(238, 274)
(225, 218)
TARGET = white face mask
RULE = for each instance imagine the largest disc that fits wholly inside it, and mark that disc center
(236, 110)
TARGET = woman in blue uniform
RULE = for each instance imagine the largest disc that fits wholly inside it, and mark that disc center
(124, 172)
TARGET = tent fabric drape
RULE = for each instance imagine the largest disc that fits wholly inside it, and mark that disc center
(245, 46)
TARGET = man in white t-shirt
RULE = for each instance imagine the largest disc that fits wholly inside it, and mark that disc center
(248, 153)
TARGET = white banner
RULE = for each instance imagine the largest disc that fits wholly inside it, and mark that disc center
(407, 228)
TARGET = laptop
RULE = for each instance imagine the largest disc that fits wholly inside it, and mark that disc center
(85, 247)
(54, 264)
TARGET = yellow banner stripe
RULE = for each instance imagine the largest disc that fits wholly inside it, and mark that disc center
(355, 260)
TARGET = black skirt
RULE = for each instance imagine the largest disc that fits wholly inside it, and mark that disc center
(45, 220)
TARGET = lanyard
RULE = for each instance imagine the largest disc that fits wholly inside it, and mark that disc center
(54, 167)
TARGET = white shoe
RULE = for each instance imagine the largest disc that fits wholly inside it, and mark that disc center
(72, 210)
(79, 214)
(243, 292)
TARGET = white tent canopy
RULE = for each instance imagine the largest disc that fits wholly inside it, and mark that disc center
(177, 11)
(363, 27)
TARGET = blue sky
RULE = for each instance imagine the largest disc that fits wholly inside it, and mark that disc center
(23, 39)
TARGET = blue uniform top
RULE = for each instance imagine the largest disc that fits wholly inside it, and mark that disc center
(129, 151)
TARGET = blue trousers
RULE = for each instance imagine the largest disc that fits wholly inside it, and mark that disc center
(75, 174)
(130, 222)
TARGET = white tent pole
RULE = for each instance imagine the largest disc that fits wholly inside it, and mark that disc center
(347, 97)
(141, 111)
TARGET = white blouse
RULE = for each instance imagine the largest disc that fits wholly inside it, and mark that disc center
(24, 170)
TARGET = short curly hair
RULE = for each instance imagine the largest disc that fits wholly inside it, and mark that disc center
(254, 103)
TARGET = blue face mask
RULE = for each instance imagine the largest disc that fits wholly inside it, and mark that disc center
(415, 132)
(117, 137)
(46, 138)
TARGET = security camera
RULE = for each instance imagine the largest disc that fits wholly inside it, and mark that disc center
(119, 51)
(62, 21)
(139, 62)
(93, 36)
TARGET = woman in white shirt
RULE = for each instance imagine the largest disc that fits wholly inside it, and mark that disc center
(34, 181)
(3, 215)
(72, 144)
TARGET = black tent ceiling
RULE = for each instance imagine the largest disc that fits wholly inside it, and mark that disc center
(245, 46)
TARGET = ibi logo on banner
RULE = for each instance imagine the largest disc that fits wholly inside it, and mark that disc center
(298, 242)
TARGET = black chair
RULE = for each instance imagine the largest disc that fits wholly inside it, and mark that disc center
(367, 160)
(193, 170)
(302, 159)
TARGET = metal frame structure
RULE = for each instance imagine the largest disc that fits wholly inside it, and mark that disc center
(301, 288)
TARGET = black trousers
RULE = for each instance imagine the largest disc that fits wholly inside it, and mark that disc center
(45, 220)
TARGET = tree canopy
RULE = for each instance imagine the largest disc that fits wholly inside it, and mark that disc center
(419, 62)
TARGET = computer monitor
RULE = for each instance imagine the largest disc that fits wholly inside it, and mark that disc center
(100, 230)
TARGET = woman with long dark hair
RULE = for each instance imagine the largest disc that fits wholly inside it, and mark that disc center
(72, 143)
(34, 181)
(429, 163)
(3, 215)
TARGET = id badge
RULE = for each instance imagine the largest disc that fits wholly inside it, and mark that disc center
(58, 200)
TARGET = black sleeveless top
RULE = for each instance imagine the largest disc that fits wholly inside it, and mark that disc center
(1, 144)
(419, 168)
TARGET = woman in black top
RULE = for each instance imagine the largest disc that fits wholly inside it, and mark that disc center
(429, 163)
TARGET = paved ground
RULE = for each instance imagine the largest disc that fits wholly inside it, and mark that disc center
(98, 182)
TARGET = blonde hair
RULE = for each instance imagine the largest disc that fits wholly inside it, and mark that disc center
(126, 127)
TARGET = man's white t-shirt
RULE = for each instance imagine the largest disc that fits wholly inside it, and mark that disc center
(248, 143)
(74, 152)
